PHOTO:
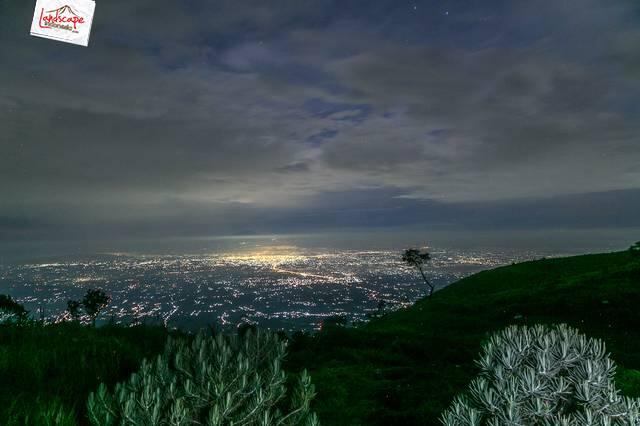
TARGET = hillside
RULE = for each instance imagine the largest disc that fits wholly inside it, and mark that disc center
(406, 367)
(403, 368)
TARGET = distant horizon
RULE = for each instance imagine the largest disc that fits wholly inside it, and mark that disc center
(560, 241)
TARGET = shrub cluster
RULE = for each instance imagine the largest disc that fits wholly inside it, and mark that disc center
(543, 376)
(221, 380)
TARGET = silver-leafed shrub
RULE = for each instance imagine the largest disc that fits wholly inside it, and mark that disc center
(543, 376)
(221, 380)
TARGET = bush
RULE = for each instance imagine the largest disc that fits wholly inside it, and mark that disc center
(11, 311)
(211, 381)
(543, 376)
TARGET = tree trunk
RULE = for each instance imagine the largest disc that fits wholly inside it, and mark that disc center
(426, 281)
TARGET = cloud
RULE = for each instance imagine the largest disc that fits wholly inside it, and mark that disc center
(217, 113)
(523, 122)
(297, 167)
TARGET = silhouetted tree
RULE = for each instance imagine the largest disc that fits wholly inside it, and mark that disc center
(73, 307)
(11, 311)
(417, 258)
(335, 321)
(93, 302)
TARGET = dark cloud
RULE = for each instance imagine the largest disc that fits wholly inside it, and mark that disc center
(298, 167)
(355, 210)
(224, 116)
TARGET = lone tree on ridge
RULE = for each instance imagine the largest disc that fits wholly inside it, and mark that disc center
(417, 258)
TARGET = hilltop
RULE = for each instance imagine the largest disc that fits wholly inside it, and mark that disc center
(406, 367)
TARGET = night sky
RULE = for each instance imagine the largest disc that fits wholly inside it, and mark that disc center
(238, 117)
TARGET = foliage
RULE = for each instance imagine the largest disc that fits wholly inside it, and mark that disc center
(52, 413)
(543, 376)
(335, 321)
(47, 371)
(407, 367)
(417, 258)
(11, 311)
(217, 380)
(628, 380)
(635, 249)
(246, 327)
(93, 302)
(73, 307)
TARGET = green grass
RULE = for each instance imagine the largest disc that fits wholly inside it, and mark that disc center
(46, 373)
(403, 369)
(406, 368)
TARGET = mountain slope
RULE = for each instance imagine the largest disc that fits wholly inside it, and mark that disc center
(406, 367)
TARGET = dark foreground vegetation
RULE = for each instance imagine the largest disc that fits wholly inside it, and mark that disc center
(403, 368)
(47, 373)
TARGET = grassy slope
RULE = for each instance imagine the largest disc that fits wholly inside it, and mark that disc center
(406, 367)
